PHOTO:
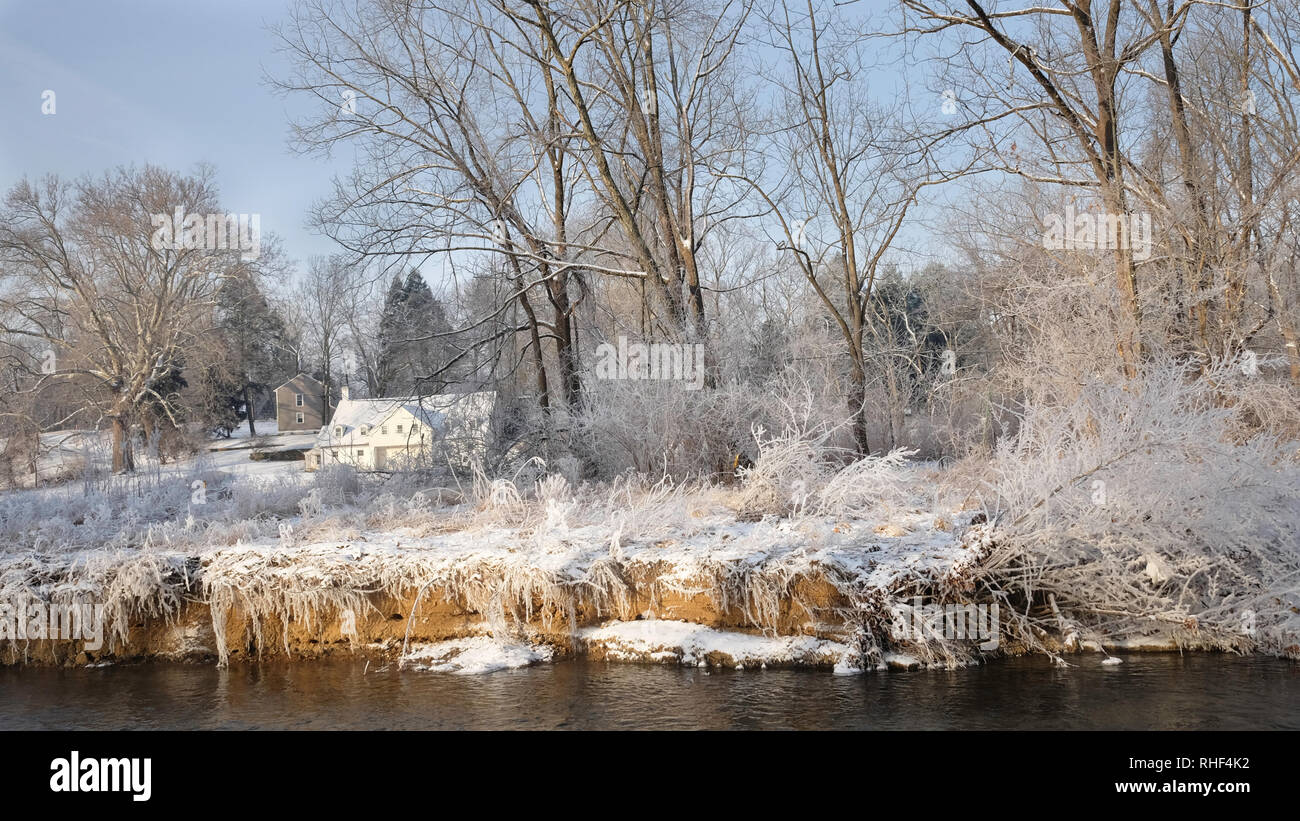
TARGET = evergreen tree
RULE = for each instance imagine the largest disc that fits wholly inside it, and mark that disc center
(391, 333)
(255, 339)
(412, 354)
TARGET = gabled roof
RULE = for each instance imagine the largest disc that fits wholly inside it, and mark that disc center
(302, 375)
(441, 412)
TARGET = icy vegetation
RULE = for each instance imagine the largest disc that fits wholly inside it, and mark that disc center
(1165, 502)
(1145, 510)
(510, 551)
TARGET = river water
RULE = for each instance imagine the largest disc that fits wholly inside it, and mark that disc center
(1147, 691)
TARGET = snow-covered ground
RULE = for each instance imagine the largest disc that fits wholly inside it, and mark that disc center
(798, 563)
(631, 554)
(682, 642)
(265, 427)
(268, 439)
(65, 454)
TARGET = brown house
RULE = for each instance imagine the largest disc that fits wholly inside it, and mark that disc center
(300, 404)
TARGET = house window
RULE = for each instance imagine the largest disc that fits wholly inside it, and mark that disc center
(338, 430)
(297, 401)
(298, 418)
(415, 427)
(360, 452)
(399, 428)
(383, 429)
(365, 429)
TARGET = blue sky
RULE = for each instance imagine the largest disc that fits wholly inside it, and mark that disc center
(176, 84)
(170, 83)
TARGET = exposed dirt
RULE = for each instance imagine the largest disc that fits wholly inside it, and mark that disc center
(382, 627)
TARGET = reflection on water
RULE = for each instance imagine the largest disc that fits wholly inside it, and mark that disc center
(1149, 691)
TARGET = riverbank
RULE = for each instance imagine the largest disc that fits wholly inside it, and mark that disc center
(804, 561)
(834, 594)
(749, 593)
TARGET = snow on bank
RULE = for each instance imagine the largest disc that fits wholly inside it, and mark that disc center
(268, 551)
(475, 655)
(513, 574)
(682, 642)
(647, 640)
(652, 641)
(551, 570)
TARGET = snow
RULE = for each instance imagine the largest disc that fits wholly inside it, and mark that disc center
(271, 442)
(285, 545)
(232, 455)
(475, 655)
(690, 644)
(64, 453)
(265, 427)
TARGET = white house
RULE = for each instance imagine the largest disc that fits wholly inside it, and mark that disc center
(382, 434)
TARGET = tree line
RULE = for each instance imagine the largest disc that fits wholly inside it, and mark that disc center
(845, 203)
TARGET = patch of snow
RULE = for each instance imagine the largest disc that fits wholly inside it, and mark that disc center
(902, 661)
(1135, 643)
(265, 427)
(475, 655)
(692, 644)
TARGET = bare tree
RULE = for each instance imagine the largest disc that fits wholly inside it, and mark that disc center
(850, 175)
(87, 277)
(323, 299)
(460, 126)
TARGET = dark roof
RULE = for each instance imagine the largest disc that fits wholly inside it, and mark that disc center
(301, 375)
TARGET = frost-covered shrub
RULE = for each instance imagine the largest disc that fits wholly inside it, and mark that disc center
(662, 428)
(1150, 503)
(337, 484)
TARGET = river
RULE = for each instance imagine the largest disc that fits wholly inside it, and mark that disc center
(1147, 691)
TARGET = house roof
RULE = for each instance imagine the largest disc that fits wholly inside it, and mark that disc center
(442, 413)
(302, 376)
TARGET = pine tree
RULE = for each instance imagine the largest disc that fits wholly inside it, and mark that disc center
(391, 334)
(412, 354)
(255, 339)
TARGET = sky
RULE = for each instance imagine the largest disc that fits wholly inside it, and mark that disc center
(170, 83)
(175, 84)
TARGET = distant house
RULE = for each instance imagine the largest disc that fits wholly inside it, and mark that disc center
(300, 404)
(385, 433)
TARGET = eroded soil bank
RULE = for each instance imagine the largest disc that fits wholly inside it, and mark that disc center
(812, 613)
(839, 593)
(657, 617)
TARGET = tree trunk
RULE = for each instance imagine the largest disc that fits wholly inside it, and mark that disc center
(858, 408)
(123, 457)
(248, 407)
(36, 454)
(895, 409)
(148, 428)
(566, 352)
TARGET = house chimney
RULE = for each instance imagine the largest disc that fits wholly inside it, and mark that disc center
(343, 392)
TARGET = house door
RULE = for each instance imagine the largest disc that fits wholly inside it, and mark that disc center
(381, 458)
